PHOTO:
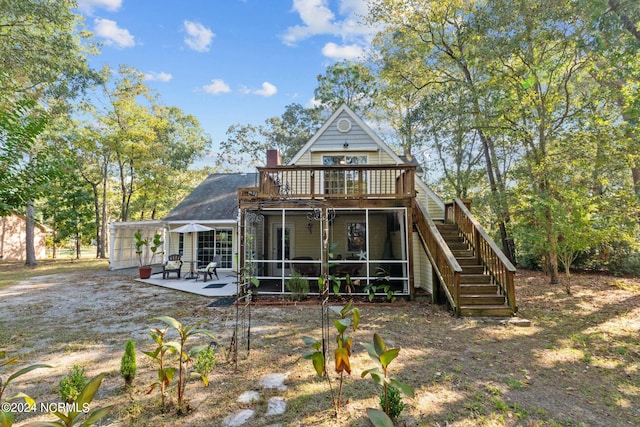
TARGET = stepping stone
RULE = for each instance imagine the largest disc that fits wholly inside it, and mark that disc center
(249, 396)
(238, 418)
(274, 381)
(276, 406)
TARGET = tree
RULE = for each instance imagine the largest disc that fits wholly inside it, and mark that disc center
(247, 143)
(49, 67)
(435, 48)
(347, 82)
(144, 143)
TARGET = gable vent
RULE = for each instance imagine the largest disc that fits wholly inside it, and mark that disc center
(344, 125)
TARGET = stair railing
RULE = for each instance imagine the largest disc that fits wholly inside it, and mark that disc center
(441, 257)
(488, 253)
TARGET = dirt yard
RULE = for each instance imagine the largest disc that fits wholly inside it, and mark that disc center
(578, 364)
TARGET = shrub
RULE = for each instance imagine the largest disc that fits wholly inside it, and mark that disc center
(394, 400)
(71, 385)
(128, 363)
(298, 286)
(204, 363)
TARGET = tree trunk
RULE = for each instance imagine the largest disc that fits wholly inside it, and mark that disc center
(31, 260)
(553, 247)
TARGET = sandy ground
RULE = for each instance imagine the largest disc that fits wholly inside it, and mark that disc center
(577, 364)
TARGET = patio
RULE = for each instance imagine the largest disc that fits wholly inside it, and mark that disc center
(225, 286)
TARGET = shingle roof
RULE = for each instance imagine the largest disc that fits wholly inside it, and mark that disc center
(216, 198)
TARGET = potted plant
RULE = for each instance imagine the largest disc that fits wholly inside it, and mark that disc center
(141, 244)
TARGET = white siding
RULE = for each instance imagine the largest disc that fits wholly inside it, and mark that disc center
(422, 274)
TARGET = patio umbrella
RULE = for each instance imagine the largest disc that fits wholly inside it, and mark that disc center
(192, 227)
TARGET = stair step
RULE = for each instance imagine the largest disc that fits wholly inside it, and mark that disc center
(482, 299)
(485, 310)
(472, 269)
(475, 278)
(478, 288)
(462, 253)
(470, 260)
(447, 227)
(458, 246)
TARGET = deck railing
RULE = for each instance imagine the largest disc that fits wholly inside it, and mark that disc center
(333, 182)
(488, 253)
(445, 263)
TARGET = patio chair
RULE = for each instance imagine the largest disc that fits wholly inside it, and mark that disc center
(173, 265)
(210, 269)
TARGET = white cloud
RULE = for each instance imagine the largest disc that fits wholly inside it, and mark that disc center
(113, 35)
(318, 19)
(217, 86)
(267, 90)
(198, 36)
(88, 6)
(158, 77)
(332, 50)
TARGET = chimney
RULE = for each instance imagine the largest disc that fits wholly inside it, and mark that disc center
(273, 158)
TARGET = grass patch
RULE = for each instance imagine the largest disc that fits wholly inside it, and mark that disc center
(12, 272)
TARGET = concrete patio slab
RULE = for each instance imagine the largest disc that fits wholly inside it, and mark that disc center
(225, 286)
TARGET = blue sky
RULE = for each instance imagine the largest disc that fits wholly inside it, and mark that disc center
(228, 61)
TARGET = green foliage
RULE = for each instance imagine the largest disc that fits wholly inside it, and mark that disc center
(348, 318)
(185, 355)
(383, 356)
(392, 400)
(298, 286)
(204, 363)
(142, 243)
(347, 82)
(81, 408)
(247, 143)
(128, 363)
(6, 418)
(71, 385)
(159, 355)
(381, 283)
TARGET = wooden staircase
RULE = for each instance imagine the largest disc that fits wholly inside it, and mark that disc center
(479, 296)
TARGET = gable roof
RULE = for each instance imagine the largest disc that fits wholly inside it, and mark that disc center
(344, 109)
(216, 198)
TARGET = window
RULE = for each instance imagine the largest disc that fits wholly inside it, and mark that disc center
(216, 242)
(344, 181)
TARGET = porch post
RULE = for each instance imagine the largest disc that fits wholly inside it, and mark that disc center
(410, 255)
(324, 265)
(241, 242)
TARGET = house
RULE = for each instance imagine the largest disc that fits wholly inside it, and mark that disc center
(348, 207)
(213, 204)
(13, 238)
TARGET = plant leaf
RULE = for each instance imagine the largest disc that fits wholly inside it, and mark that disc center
(402, 387)
(96, 415)
(388, 356)
(379, 344)
(371, 350)
(6, 419)
(342, 360)
(26, 370)
(318, 363)
(340, 326)
(356, 318)
(378, 418)
(169, 321)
